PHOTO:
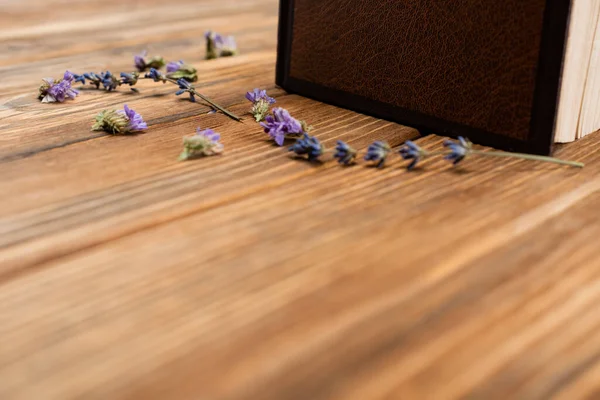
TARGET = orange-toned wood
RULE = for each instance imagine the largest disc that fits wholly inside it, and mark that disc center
(125, 274)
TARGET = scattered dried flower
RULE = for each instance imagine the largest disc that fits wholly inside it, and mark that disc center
(308, 145)
(281, 125)
(219, 46)
(458, 150)
(180, 70)
(142, 64)
(203, 143)
(119, 122)
(261, 103)
(226, 46)
(378, 152)
(411, 151)
(344, 153)
(58, 90)
(156, 75)
(129, 78)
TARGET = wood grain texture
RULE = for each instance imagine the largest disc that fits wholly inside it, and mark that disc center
(125, 274)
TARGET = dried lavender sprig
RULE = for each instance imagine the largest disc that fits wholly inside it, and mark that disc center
(194, 92)
(459, 150)
(464, 147)
(110, 82)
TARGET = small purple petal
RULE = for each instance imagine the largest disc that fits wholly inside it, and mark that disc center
(136, 122)
(174, 66)
(68, 76)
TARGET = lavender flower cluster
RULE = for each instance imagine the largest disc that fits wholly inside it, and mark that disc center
(280, 125)
(57, 90)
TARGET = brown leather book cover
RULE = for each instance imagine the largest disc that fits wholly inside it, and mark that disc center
(485, 69)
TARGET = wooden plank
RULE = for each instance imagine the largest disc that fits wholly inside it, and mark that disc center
(256, 272)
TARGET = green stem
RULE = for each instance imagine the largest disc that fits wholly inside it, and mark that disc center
(526, 157)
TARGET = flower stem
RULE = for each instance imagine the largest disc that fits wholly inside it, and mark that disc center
(212, 103)
(527, 157)
(209, 101)
(218, 107)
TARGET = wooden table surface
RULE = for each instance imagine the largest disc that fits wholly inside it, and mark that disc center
(125, 274)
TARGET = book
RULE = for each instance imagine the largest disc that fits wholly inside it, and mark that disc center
(518, 75)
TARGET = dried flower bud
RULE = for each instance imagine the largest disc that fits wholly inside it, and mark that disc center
(109, 81)
(119, 122)
(378, 152)
(219, 46)
(156, 75)
(142, 64)
(344, 153)
(458, 150)
(185, 87)
(129, 78)
(203, 143)
(94, 79)
(412, 151)
(308, 145)
(180, 70)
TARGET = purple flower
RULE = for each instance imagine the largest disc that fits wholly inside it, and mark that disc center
(411, 151)
(68, 76)
(209, 134)
(344, 153)
(156, 75)
(129, 78)
(79, 78)
(309, 145)
(203, 143)
(458, 150)
(185, 86)
(140, 61)
(119, 122)
(378, 152)
(174, 66)
(282, 125)
(135, 120)
(94, 79)
(142, 64)
(58, 90)
(256, 95)
(109, 81)
(178, 70)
